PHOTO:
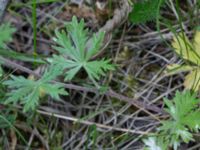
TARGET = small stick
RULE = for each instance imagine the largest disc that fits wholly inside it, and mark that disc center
(76, 120)
(3, 6)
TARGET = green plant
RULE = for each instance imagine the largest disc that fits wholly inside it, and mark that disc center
(74, 55)
(198, 3)
(189, 51)
(6, 120)
(184, 118)
(145, 10)
(152, 143)
(28, 91)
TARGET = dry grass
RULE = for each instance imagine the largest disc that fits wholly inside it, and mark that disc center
(141, 56)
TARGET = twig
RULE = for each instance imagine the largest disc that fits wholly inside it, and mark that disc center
(3, 6)
(26, 128)
(91, 123)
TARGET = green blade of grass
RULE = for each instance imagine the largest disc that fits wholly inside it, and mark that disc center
(34, 19)
(20, 56)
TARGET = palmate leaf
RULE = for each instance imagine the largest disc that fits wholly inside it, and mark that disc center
(74, 54)
(185, 117)
(28, 92)
(181, 105)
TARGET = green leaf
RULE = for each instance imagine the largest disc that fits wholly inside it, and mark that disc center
(184, 118)
(95, 45)
(198, 3)
(97, 68)
(32, 99)
(145, 10)
(75, 55)
(6, 120)
(72, 72)
(28, 92)
(20, 56)
(153, 143)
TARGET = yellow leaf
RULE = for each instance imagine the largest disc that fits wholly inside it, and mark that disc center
(176, 68)
(197, 42)
(185, 49)
(192, 80)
